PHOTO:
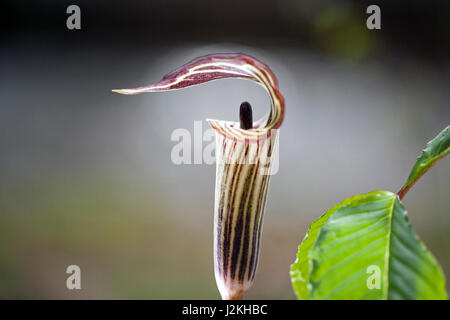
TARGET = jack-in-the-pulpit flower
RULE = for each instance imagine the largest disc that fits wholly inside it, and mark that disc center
(245, 153)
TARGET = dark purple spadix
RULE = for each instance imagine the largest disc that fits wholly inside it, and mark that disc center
(246, 116)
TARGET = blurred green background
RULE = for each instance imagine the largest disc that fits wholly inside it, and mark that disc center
(86, 176)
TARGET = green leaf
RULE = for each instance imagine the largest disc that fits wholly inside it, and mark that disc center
(365, 248)
(435, 150)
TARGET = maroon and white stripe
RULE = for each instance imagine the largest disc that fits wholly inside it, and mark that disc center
(220, 66)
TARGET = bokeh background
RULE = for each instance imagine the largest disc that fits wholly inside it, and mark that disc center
(86, 176)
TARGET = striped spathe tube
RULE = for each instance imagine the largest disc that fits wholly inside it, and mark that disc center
(245, 160)
(243, 171)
